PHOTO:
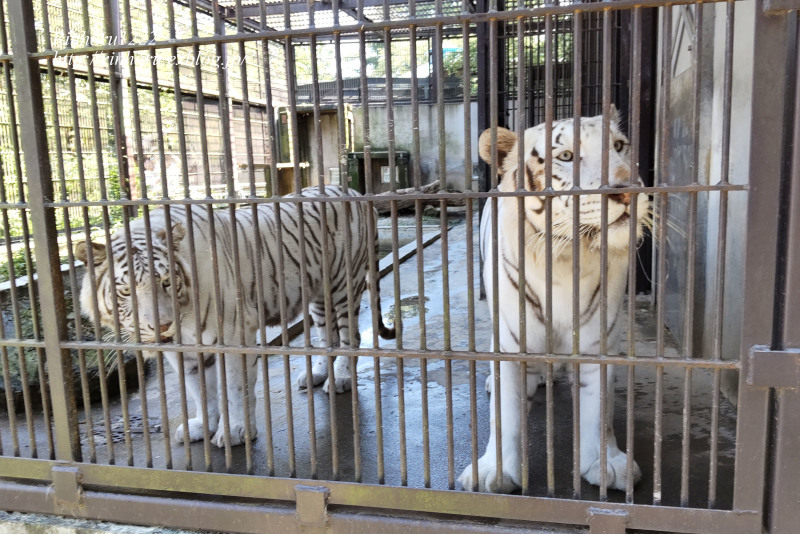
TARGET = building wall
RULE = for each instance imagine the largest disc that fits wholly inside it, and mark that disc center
(741, 106)
(454, 142)
(708, 265)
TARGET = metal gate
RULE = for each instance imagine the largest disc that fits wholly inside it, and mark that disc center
(113, 109)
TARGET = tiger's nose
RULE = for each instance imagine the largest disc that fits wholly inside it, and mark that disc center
(622, 198)
(165, 327)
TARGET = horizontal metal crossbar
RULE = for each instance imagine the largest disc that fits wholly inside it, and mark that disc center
(773, 368)
(370, 496)
(511, 15)
(388, 197)
(407, 353)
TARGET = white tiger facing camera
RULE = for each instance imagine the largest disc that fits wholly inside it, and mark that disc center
(563, 248)
(119, 276)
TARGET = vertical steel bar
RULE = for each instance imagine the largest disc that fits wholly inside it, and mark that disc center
(766, 159)
(291, 81)
(160, 145)
(521, 284)
(635, 125)
(549, 95)
(203, 409)
(58, 149)
(37, 163)
(274, 179)
(206, 169)
(438, 56)
(688, 324)
(398, 321)
(783, 512)
(604, 177)
(227, 170)
(151, 278)
(577, 92)
(466, 83)
(719, 298)
(13, 292)
(102, 366)
(351, 304)
(415, 157)
(344, 146)
(663, 180)
(112, 20)
(326, 275)
(495, 304)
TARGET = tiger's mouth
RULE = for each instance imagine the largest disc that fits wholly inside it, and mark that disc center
(167, 334)
(622, 219)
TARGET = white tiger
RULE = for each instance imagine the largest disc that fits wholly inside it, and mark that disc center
(591, 133)
(156, 311)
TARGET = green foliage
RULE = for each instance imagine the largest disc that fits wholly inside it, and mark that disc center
(19, 265)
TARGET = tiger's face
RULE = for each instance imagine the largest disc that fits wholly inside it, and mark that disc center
(564, 159)
(152, 294)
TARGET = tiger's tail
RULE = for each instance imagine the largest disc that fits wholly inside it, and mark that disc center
(384, 331)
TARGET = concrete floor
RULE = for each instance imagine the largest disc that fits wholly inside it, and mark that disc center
(643, 394)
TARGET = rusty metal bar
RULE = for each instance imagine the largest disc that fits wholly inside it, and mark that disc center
(660, 279)
(449, 196)
(422, 22)
(273, 173)
(757, 320)
(694, 361)
(716, 351)
(782, 511)
(37, 164)
(343, 495)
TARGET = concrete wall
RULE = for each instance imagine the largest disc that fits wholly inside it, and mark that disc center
(454, 141)
(709, 265)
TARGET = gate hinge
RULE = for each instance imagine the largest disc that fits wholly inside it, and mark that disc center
(67, 489)
(312, 507)
(780, 6)
(773, 368)
(607, 520)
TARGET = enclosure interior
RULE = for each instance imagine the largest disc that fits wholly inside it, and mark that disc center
(166, 105)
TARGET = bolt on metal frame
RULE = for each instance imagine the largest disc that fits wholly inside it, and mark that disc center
(71, 469)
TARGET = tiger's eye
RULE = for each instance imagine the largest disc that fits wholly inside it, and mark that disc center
(565, 156)
(125, 291)
(619, 145)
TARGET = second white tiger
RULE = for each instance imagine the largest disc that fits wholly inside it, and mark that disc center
(158, 292)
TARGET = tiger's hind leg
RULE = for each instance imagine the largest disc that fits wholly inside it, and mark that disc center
(191, 371)
(319, 364)
(342, 378)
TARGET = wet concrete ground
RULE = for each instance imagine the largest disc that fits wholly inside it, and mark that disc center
(445, 461)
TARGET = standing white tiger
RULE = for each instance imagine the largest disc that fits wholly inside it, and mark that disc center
(154, 302)
(563, 247)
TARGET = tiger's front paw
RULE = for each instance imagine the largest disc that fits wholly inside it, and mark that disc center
(487, 476)
(317, 377)
(196, 429)
(340, 385)
(616, 471)
(238, 435)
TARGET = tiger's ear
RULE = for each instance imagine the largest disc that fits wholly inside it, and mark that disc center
(178, 233)
(506, 140)
(82, 253)
(614, 113)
